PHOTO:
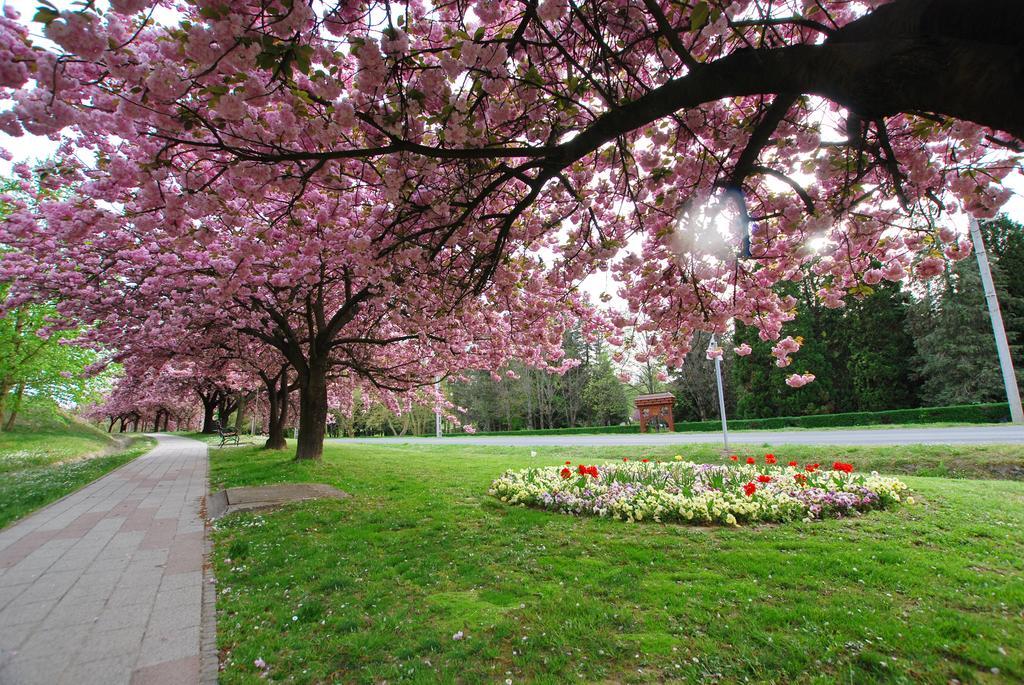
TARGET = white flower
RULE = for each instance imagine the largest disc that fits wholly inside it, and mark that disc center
(458, 636)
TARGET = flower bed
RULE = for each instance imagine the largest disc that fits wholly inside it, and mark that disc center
(682, 491)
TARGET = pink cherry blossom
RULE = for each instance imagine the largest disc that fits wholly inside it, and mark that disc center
(799, 380)
(426, 196)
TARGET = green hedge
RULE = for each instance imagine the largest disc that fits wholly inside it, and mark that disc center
(963, 413)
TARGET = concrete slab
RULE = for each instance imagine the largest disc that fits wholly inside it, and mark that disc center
(263, 497)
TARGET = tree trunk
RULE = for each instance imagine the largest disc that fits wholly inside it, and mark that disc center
(9, 424)
(5, 387)
(243, 403)
(208, 407)
(277, 402)
(312, 410)
(225, 407)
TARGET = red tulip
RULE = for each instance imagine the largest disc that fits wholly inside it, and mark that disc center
(566, 473)
(749, 489)
(750, 460)
(763, 478)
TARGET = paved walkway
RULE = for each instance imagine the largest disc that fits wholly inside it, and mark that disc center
(105, 586)
(958, 435)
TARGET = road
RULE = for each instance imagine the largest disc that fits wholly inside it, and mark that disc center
(959, 435)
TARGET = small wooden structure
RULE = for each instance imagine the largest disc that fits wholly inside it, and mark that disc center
(656, 411)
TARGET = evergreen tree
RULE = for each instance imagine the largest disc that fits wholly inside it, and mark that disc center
(761, 389)
(878, 351)
(1004, 242)
(605, 395)
(862, 356)
(956, 353)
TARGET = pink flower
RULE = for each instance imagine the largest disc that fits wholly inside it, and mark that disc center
(929, 267)
(231, 107)
(873, 276)
(798, 380)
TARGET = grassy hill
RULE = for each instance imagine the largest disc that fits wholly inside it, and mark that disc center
(49, 453)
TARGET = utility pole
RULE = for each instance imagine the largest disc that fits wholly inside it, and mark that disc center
(1002, 345)
(712, 344)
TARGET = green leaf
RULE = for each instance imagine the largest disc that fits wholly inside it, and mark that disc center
(303, 58)
(700, 16)
(44, 15)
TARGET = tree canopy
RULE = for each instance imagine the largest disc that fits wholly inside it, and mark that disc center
(386, 193)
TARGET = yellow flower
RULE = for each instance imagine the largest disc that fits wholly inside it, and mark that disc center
(679, 457)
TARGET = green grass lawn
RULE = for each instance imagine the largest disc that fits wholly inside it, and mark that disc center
(372, 589)
(49, 454)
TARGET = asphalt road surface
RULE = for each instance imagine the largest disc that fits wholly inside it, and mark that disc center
(959, 435)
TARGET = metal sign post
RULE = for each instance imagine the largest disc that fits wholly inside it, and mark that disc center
(721, 394)
(437, 414)
(1002, 346)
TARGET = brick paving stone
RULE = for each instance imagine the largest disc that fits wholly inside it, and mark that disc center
(106, 586)
(176, 672)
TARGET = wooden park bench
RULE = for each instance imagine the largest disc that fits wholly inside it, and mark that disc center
(227, 435)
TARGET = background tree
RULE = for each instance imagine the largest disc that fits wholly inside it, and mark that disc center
(37, 354)
(862, 355)
(1004, 241)
(695, 386)
(879, 352)
(956, 352)
(605, 394)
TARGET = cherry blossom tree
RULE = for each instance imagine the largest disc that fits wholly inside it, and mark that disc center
(331, 286)
(413, 177)
(146, 398)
